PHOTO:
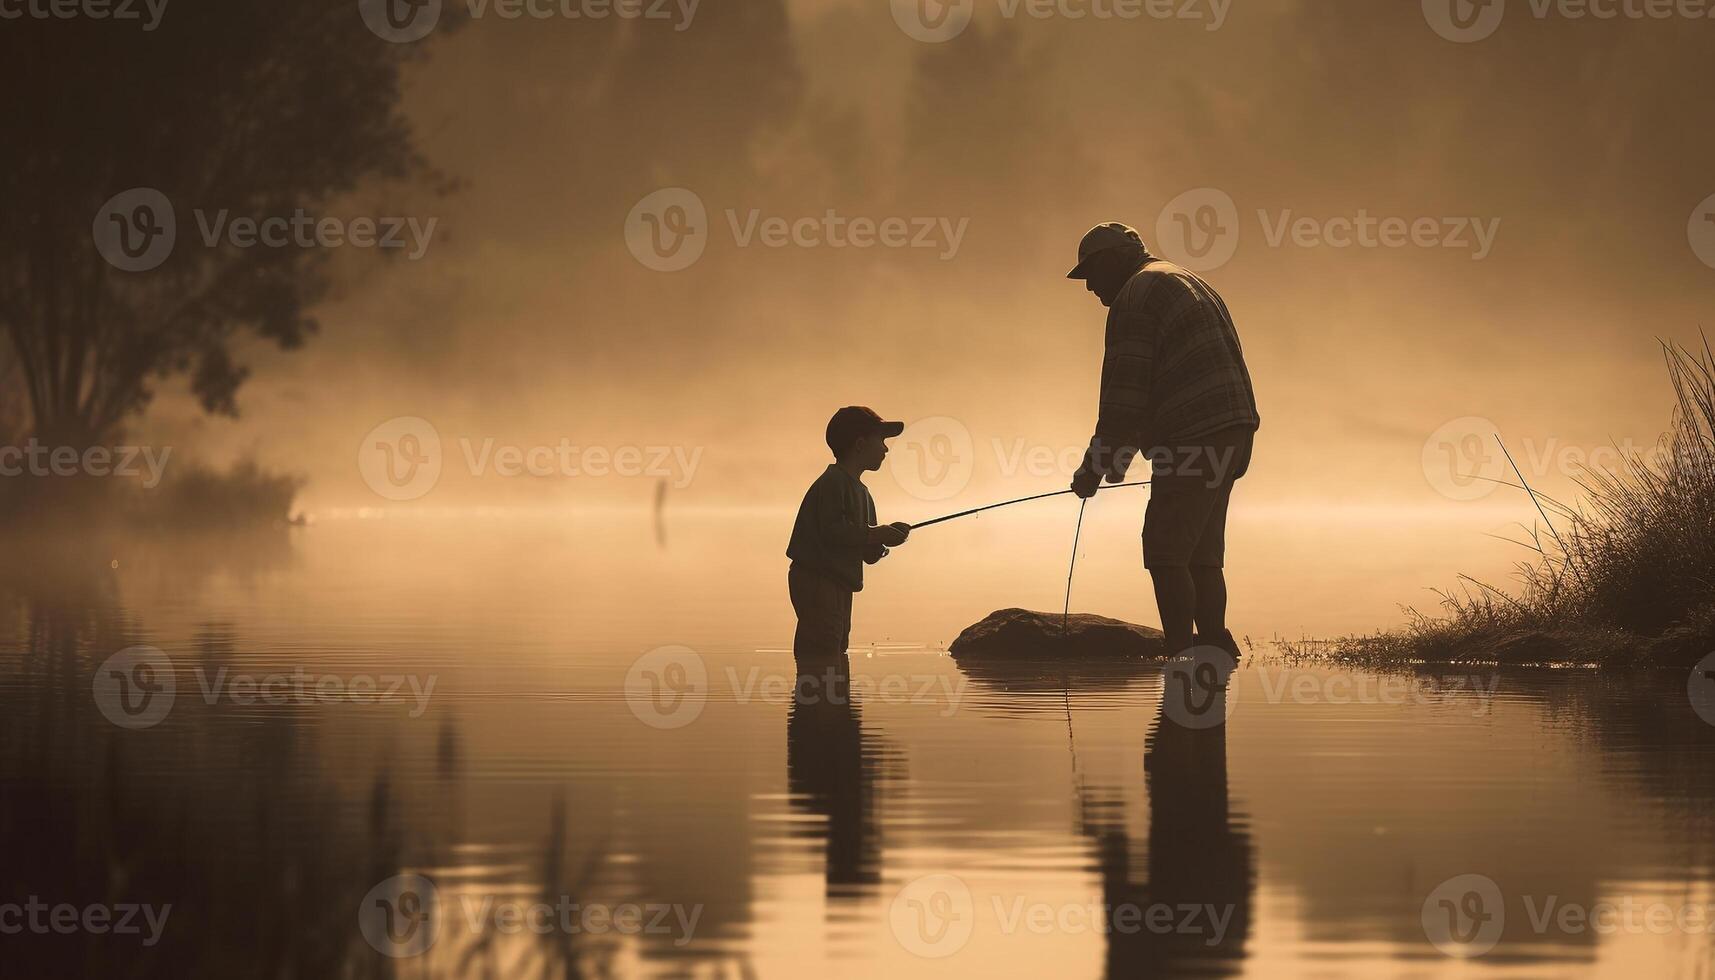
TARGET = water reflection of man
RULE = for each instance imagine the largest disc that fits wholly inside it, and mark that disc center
(1193, 913)
(830, 772)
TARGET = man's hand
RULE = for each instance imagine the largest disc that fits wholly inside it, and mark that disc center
(1085, 482)
(893, 535)
(874, 552)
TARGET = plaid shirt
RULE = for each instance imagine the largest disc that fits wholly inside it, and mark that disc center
(1173, 371)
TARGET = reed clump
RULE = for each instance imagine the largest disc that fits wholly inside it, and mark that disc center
(1626, 575)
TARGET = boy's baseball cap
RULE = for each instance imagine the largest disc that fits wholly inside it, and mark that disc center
(1112, 234)
(853, 422)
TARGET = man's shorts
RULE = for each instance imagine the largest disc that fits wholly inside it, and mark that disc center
(824, 608)
(1190, 487)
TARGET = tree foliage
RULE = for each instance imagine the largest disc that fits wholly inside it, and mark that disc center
(256, 107)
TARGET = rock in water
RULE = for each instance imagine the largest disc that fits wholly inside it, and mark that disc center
(1019, 634)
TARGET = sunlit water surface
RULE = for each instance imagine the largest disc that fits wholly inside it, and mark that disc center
(576, 718)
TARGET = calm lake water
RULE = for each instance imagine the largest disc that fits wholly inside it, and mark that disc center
(525, 747)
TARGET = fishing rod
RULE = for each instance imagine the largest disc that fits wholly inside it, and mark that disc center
(1021, 500)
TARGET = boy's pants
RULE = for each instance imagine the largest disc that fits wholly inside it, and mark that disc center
(824, 608)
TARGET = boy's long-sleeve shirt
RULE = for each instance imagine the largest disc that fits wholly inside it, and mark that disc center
(833, 527)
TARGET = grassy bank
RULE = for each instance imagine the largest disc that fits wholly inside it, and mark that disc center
(1623, 576)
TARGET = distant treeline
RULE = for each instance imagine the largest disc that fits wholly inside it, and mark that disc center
(143, 489)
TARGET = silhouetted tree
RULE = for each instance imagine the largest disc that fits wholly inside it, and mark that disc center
(251, 106)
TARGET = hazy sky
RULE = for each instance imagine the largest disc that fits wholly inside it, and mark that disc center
(1580, 147)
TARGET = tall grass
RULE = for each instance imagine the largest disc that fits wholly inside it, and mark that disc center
(1625, 574)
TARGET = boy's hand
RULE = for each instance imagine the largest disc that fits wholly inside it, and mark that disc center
(875, 552)
(893, 535)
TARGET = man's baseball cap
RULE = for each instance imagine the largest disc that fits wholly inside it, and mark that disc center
(1102, 237)
(853, 422)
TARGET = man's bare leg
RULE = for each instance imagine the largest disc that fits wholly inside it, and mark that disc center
(1176, 600)
(1211, 604)
(1211, 586)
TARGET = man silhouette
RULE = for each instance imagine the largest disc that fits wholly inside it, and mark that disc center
(1175, 387)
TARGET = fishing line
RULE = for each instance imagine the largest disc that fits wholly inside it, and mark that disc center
(1067, 611)
(1065, 678)
(1021, 500)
